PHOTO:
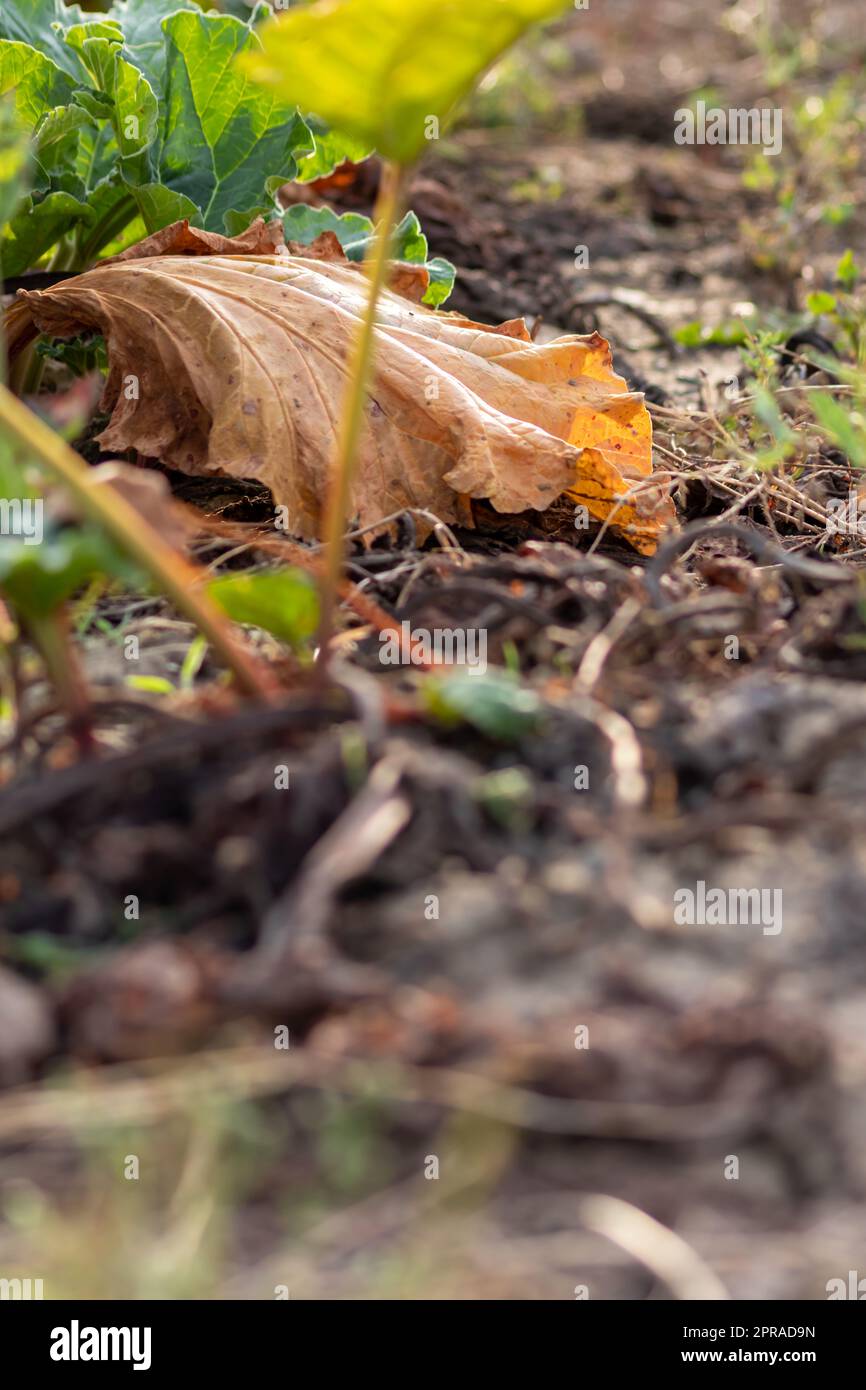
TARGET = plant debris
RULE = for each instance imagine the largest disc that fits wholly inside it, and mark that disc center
(237, 367)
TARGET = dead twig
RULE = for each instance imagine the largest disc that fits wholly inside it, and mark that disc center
(615, 301)
(764, 550)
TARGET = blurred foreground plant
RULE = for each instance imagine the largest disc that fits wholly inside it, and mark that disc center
(114, 538)
(386, 73)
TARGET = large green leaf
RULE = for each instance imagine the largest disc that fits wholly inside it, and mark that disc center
(13, 162)
(73, 160)
(238, 219)
(140, 117)
(103, 139)
(42, 95)
(32, 22)
(224, 135)
(144, 41)
(33, 82)
(159, 206)
(133, 108)
(109, 201)
(97, 155)
(379, 70)
(36, 227)
(332, 149)
(57, 142)
(352, 229)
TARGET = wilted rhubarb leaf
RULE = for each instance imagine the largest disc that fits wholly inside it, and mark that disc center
(378, 70)
(240, 362)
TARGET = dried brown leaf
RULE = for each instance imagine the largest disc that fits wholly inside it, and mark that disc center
(239, 362)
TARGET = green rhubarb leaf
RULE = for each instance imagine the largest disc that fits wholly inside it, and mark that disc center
(355, 234)
(57, 142)
(122, 213)
(131, 102)
(13, 163)
(143, 39)
(159, 206)
(410, 243)
(38, 225)
(238, 219)
(352, 229)
(383, 71)
(224, 136)
(92, 42)
(40, 23)
(97, 106)
(332, 150)
(42, 97)
(35, 83)
(110, 202)
(136, 120)
(442, 276)
(81, 355)
(96, 159)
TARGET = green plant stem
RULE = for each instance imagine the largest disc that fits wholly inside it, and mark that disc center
(177, 579)
(64, 257)
(25, 374)
(107, 228)
(51, 635)
(360, 369)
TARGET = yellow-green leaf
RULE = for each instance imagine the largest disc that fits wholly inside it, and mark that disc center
(386, 71)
